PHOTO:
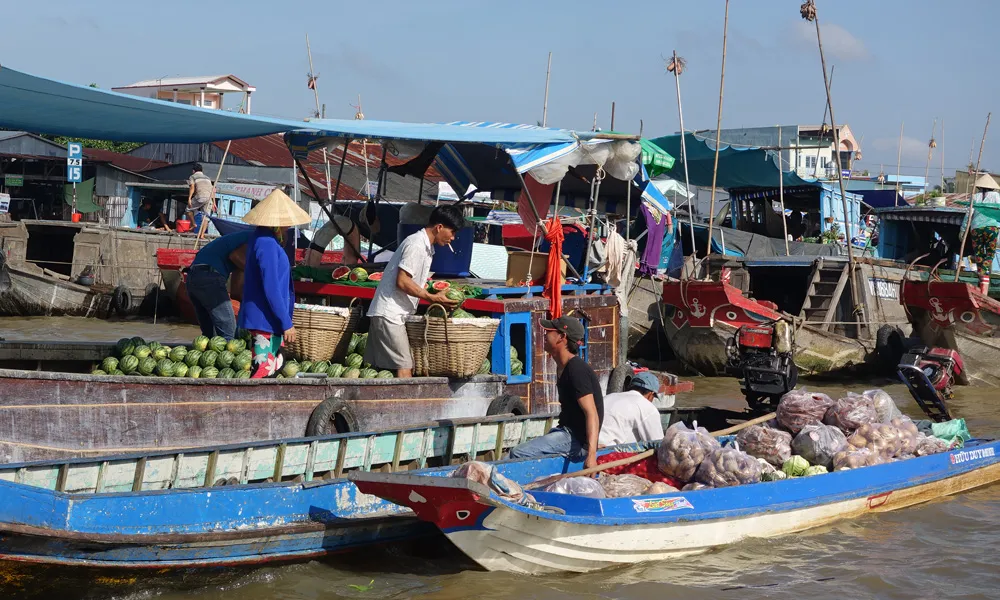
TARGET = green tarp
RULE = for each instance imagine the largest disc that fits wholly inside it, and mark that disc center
(84, 196)
(656, 160)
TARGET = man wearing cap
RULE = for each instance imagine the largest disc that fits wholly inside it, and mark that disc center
(630, 416)
(580, 398)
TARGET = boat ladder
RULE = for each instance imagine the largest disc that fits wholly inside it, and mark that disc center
(826, 286)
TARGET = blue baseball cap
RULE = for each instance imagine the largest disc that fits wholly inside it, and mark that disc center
(645, 380)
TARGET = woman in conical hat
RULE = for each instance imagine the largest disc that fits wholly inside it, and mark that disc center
(268, 298)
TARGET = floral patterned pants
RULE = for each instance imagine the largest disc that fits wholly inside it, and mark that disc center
(267, 359)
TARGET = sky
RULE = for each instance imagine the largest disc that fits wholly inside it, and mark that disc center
(896, 62)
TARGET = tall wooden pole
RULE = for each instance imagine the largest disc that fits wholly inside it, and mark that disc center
(545, 102)
(718, 133)
(968, 216)
(319, 114)
(676, 66)
(822, 123)
(899, 158)
(781, 192)
(941, 153)
(930, 151)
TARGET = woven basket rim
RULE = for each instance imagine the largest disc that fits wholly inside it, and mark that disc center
(339, 311)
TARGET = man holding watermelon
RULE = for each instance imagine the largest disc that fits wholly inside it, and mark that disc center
(403, 286)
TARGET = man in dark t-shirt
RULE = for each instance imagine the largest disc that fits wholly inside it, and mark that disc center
(580, 398)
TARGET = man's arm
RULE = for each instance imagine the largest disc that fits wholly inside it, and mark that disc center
(593, 429)
(190, 191)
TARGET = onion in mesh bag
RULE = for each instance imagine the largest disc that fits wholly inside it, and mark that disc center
(772, 445)
(799, 408)
(907, 435)
(620, 486)
(817, 443)
(885, 407)
(577, 486)
(694, 486)
(682, 450)
(724, 467)
(659, 487)
(850, 412)
(854, 459)
(880, 438)
(928, 444)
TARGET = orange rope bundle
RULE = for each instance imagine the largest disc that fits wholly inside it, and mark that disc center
(553, 274)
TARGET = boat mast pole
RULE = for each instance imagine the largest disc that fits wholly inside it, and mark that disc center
(899, 157)
(545, 102)
(930, 150)
(676, 66)
(808, 12)
(781, 192)
(968, 216)
(942, 157)
(718, 136)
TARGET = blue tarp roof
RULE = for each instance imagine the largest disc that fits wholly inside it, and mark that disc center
(739, 167)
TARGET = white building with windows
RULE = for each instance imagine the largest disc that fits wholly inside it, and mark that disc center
(202, 91)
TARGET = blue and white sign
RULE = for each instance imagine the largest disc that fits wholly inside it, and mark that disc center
(845, 174)
(74, 162)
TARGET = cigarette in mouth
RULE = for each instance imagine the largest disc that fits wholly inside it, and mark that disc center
(450, 248)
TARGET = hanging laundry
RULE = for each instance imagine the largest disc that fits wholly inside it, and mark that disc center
(649, 262)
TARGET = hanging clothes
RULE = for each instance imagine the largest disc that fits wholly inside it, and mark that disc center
(656, 225)
(553, 273)
(619, 269)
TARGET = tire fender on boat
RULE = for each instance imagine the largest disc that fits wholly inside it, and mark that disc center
(507, 404)
(619, 378)
(121, 300)
(333, 415)
(890, 345)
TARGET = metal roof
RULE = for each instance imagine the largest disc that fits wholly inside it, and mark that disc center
(179, 81)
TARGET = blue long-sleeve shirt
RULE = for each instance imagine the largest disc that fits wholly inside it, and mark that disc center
(268, 298)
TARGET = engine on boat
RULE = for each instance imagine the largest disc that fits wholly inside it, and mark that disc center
(760, 356)
(930, 374)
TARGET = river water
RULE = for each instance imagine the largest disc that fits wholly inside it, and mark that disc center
(943, 549)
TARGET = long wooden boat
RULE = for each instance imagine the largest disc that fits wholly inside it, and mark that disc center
(34, 293)
(562, 532)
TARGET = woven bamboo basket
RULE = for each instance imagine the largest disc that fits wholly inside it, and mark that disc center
(443, 347)
(319, 330)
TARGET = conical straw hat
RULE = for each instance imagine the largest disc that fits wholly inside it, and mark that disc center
(986, 182)
(277, 210)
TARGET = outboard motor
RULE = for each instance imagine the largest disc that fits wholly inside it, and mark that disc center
(930, 373)
(761, 357)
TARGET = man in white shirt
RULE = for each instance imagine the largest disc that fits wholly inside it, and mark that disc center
(403, 286)
(630, 416)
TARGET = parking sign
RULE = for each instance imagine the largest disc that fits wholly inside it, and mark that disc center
(74, 162)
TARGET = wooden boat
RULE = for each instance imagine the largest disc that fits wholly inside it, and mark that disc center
(31, 292)
(569, 533)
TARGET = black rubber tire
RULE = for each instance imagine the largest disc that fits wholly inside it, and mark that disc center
(121, 300)
(793, 377)
(507, 404)
(890, 345)
(619, 378)
(333, 415)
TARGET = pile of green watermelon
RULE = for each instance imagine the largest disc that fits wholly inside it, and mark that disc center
(516, 366)
(205, 358)
(354, 366)
(458, 293)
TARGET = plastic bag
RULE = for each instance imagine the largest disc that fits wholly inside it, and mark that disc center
(906, 434)
(817, 443)
(854, 459)
(487, 475)
(728, 466)
(885, 407)
(577, 486)
(880, 438)
(799, 408)
(694, 486)
(682, 451)
(621, 486)
(851, 412)
(928, 444)
(771, 445)
(955, 432)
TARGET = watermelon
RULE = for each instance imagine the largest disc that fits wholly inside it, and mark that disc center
(458, 313)
(375, 277)
(180, 369)
(194, 372)
(335, 371)
(244, 334)
(513, 353)
(217, 343)
(191, 358)
(117, 372)
(438, 286)
(516, 367)
(208, 358)
(124, 347)
(200, 343)
(97, 372)
(243, 374)
(242, 363)
(358, 275)
(227, 374)
(154, 345)
(305, 365)
(355, 338)
(353, 361)
(383, 374)
(368, 373)
(147, 366)
(485, 368)
(129, 364)
(178, 353)
(290, 369)
(138, 341)
(236, 346)
(225, 359)
(209, 373)
(362, 344)
(141, 352)
(340, 273)
(352, 373)
(159, 353)
(455, 294)
(165, 368)
(244, 354)
(319, 367)
(109, 364)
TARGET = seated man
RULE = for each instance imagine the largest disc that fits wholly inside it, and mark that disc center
(630, 416)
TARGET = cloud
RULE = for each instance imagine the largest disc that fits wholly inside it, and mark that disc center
(912, 147)
(838, 43)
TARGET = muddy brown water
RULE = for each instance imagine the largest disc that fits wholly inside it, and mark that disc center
(943, 549)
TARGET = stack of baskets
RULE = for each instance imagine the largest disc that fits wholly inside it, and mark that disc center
(322, 331)
(444, 347)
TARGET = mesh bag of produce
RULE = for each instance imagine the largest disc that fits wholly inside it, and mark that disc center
(695, 486)
(577, 486)
(817, 443)
(906, 435)
(850, 412)
(771, 445)
(928, 444)
(487, 475)
(880, 438)
(659, 487)
(726, 467)
(854, 459)
(682, 450)
(799, 408)
(621, 486)
(885, 407)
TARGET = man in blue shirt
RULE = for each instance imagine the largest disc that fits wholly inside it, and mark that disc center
(207, 280)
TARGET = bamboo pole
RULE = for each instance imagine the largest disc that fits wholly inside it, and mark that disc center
(204, 220)
(545, 102)
(941, 152)
(930, 151)
(718, 133)
(899, 157)
(677, 67)
(968, 216)
(823, 122)
(781, 193)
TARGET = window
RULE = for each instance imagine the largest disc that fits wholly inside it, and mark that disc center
(810, 162)
(822, 162)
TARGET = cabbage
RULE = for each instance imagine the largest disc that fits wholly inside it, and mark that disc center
(816, 470)
(773, 475)
(796, 466)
